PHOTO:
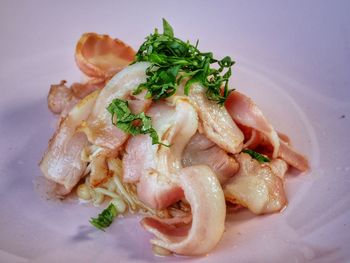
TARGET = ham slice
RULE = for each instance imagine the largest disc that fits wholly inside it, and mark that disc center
(292, 157)
(245, 112)
(62, 163)
(259, 187)
(204, 194)
(216, 122)
(81, 90)
(100, 56)
(154, 167)
(59, 97)
(200, 150)
(99, 128)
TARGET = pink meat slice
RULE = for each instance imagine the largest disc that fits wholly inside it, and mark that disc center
(245, 112)
(259, 187)
(215, 121)
(62, 163)
(201, 150)
(99, 128)
(203, 192)
(154, 167)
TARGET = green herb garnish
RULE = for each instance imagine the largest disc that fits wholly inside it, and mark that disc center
(105, 219)
(257, 156)
(173, 60)
(134, 124)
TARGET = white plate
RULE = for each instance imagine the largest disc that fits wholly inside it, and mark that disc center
(293, 59)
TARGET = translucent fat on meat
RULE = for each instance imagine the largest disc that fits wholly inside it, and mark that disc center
(99, 128)
(100, 56)
(62, 163)
(256, 186)
(203, 192)
(200, 150)
(216, 122)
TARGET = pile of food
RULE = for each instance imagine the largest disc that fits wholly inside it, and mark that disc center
(159, 132)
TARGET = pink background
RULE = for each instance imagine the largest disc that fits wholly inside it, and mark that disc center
(292, 58)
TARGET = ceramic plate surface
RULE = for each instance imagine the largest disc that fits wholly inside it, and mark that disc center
(292, 59)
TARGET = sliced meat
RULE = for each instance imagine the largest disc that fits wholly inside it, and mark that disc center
(244, 111)
(138, 158)
(154, 167)
(81, 90)
(285, 152)
(157, 190)
(204, 194)
(292, 157)
(279, 167)
(216, 122)
(59, 97)
(256, 186)
(99, 128)
(100, 56)
(200, 150)
(62, 163)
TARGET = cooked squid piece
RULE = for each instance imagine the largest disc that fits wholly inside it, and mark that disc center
(99, 128)
(203, 192)
(245, 112)
(62, 163)
(100, 56)
(259, 187)
(200, 150)
(154, 167)
(216, 122)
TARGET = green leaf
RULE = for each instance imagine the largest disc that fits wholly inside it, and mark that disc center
(167, 29)
(130, 123)
(172, 60)
(105, 219)
(257, 156)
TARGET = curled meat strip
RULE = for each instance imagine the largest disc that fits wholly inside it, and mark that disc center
(154, 167)
(59, 97)
(259, 187)
(200, 150)
(245, 112)
(216, 122)
(62, 163)
(161, 181)
(99, 128)
(203, 192)
(81, 90)
(100, 56)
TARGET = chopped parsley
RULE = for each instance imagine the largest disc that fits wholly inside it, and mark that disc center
(105, 218)
(173, 60)
(130, 123)
(257, 156)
